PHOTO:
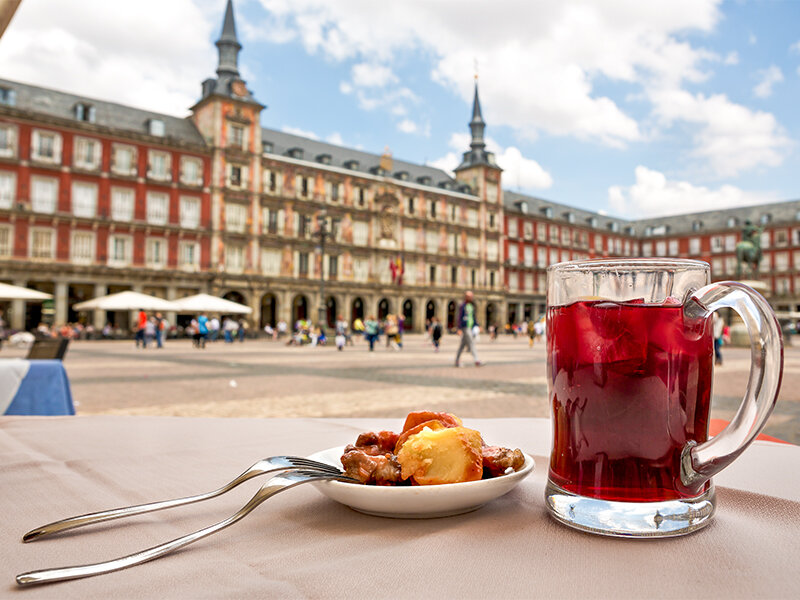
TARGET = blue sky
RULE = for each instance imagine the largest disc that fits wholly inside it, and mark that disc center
(632, 108)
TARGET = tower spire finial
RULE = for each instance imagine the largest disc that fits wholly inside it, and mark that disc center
(228, 45)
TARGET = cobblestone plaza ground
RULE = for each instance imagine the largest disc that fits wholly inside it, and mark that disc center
(268, 379)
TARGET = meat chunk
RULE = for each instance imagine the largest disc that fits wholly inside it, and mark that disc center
(384, 440)
(377, 469)
(497, 460)
(415, 418)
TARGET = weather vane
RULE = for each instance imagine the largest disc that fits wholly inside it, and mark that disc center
(475, 64)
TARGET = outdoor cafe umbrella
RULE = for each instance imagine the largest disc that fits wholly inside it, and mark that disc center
(206, 303)
(126, 301)
(14, 292)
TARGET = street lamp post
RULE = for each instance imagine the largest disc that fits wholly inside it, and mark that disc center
(322, 232)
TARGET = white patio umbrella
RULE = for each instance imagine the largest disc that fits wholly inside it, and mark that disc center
(15, 292)
(206, 303)
(126, 301)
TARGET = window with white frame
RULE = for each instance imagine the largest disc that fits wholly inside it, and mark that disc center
(528, 260)
(598, 243)
(270, 261)
(717, 243)
(781, 238)
(157, 208)
(156, 253)
(8, 140)
(647, 249)
(270, 181)
(472, 217)
(361, 269)
(527, 230)
(8, 189)
(694, 246)
(360, 233)
(512, 228)
(554, 234)
(44, 194)
(541, 232)
(673, 247)
(122, 201)
(513, 254)
(782, 286)
(42, 243)
(81, 248)
(513, 281)
(781, 261)
(730, 243)
(717, 267)
(6, 240)
(237, 176)
(334, 191)
(46, 146)
(272, 220)
(304, 186)
(234, 258)
(159, 165)
(189, 212)
(661, 248)
(409, 239)
(188, 255)
(86, 153)
(565, 237)
(120, 250)
(553, 256)
(473, 247)
(541, 258)
(431, 240)
(565, 255)
(236, 136)
(235, 217)
(123, 159)
(84, 199)
(191, 170)
(730, 264)
(528, 286)
(765, 239)
(491, 250)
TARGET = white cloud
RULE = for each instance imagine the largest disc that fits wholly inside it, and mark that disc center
(407, 126)
(768, 78)
(729, 137)
(300, 132)
(115, 50)
(540, 62)
(335, 138)
(654, 195)
(519, 172)
(372, 75)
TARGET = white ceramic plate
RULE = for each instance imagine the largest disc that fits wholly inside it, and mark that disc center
(416, 502)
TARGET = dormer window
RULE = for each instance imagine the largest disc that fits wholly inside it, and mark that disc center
(765, 218)
(731, 221)
(156, 127)
(377, 170)
(570, 217)
(424, 180)
(84, 112)
(548, 212)
(648, 231)
(402, 175)
(523, 208)
(295, 153)
(592, 221)
(324, 159)
(351, 164)
(8, 96)
(697, 225)
(613, 226)
(446, 185)
(630, 230)
(267, 147)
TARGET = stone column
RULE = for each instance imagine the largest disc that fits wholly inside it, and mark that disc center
(99, 316)
(18, 309)
(419, 314)
(172, 294)
(61, 299)
(255, 317)
(285, 307)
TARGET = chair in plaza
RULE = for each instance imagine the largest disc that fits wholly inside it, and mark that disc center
(48, 348)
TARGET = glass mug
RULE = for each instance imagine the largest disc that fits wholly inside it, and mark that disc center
(629, 372)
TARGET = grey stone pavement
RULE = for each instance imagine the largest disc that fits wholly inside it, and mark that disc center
(260, 378)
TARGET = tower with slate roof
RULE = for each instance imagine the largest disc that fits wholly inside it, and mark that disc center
(228, 117)
(480, 171)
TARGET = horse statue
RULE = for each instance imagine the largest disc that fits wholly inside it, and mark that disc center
(748, 251)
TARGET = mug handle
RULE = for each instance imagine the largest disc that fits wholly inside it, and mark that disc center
(700, 462)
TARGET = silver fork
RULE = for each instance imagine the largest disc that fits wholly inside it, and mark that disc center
(267, 465)
(270, 488)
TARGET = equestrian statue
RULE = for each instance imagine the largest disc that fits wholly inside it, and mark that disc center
(748, 251)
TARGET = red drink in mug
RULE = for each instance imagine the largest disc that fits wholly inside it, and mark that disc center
(629, 364)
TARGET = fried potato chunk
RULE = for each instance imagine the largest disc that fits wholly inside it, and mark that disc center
(450, 455)
(432, 425)
(415, 418)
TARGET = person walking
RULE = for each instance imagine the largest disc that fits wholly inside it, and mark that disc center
(242, 329)
(466, 321)
(341, 333)
(213, 328)
(141, 323)
(436, 333)
(158, 321)
(202, 330)
(371, 331)
(719, 330)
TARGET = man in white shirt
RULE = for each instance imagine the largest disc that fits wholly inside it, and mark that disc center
(213, 329)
